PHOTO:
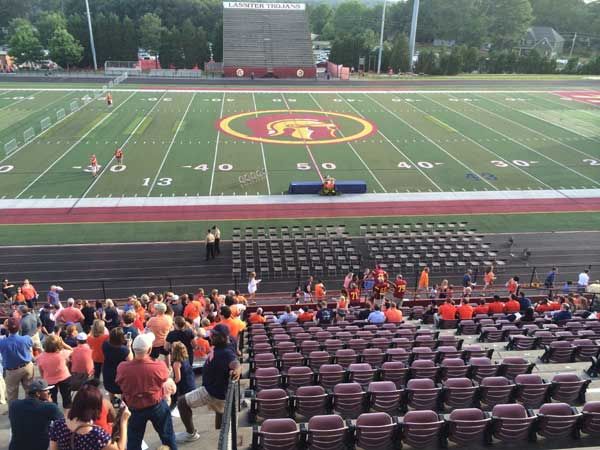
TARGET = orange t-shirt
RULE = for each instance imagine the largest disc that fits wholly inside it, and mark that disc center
(95, 344)
(160, 326)
(102, 421)
(20, 298)
(192, 310)
(512, 306)
(235, 326)
(342, 303)
(202, 348)
(554, 306)
(424, 280)
(512, 286)
(481, 309)
(447, 311)
(496, 307)
(256, 318)
(465, 312)
(489, 277)
(393, 316)
(29, 292)
(319, 291)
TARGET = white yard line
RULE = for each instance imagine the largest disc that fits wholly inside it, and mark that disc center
(486, 148)
(429, 139)
(534, 130)
(56, 161)
(212, 175)
(397, 149)
(310, 153)
(118, 202)
(262, 151)
(536, 151)
(122, 146)
(36, 138)
(162, 163)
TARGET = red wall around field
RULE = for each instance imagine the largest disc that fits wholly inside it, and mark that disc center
(279, 72)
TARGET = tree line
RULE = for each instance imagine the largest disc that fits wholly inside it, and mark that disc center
(180, 31)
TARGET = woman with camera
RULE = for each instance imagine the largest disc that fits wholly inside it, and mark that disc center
(78, 432)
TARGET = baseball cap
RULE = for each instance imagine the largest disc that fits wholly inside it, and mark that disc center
(39, 385)
(221, 329)
(82, 337)
(143, 342)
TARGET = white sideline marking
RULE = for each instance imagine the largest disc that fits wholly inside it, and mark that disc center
(162, 163)
(324, 90)
(298, 199)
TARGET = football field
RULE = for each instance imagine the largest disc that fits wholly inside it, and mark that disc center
(196, 143)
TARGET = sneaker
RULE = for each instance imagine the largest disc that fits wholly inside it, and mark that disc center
(184, 436)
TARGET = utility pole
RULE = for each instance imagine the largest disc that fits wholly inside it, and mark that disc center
(413, 33)
(573, 45)
(381, 37)
(89, 18)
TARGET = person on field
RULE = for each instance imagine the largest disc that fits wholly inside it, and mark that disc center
(119, 156)
(94, 165)
(109, 99)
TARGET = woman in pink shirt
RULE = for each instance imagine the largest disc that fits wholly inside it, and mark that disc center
(82, 364)
(53, 368)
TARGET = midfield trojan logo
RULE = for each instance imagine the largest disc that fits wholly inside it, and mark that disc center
(296, 127)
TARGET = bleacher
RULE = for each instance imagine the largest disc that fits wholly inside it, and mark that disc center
(353, 384)
(266, 40)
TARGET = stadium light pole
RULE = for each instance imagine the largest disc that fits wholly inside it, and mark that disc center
(381, 37)
(89, 18)
(413, 33)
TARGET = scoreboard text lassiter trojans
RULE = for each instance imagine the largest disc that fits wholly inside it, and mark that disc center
(254, 5)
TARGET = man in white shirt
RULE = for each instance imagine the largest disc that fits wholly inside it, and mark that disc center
(217, 234)
(583, 281)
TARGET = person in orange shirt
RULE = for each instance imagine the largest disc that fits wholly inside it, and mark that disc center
(496, 307)
(343, 303)
(160, 325)
(512, 305)
(512, 285)
(19, 296)
(424, 279)
(94, 165)
(201, 349)
(465, 310)
(109, 99)
(306, 316)
(29, 292)
(257, 317)
(488, 278)
(192, 310)
(95, 340)
(393, 314)
(320, 291)
(354, 294)
(447, 311)
(235, 325)
(482, 308)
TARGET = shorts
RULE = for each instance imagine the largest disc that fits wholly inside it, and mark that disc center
(157, 351)
(201, 397)
(94, 170)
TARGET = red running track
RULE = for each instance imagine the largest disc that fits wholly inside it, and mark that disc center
(293, 211)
